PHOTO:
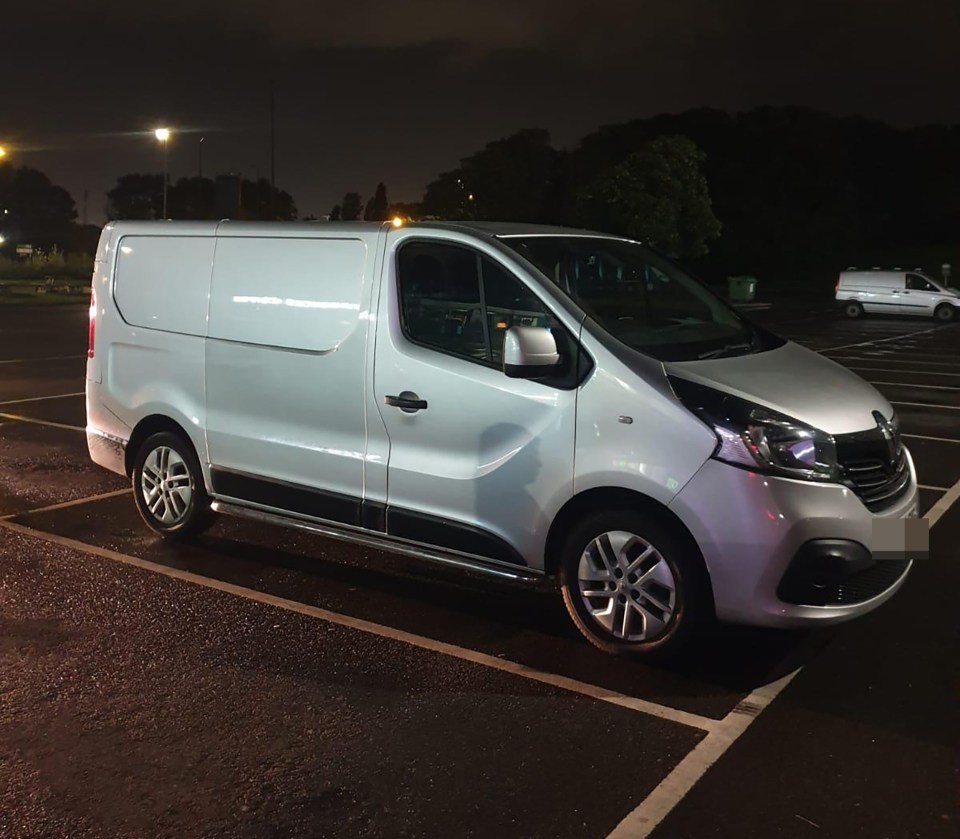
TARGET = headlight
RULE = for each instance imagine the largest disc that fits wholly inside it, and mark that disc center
(758, 438)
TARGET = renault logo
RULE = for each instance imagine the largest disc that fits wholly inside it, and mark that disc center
(890, 437)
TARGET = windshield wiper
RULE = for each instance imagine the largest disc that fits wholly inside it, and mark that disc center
(726, 349)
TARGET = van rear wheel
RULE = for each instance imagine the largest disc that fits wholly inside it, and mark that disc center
(630, 587)
(168, 487)
(853, 309)
(945, 313)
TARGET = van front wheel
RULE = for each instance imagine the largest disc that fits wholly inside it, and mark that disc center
(853, 309)
(945, 313)
(168, 487)
(630, 587)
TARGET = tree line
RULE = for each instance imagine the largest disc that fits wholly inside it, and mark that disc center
(792, 192)
(775, 191)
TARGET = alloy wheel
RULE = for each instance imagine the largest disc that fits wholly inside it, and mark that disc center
(627, 587)
(166, 485)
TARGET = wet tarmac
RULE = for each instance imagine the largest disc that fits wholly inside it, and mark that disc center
(260, 682)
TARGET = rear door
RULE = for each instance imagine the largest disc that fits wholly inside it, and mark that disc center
(485, 463)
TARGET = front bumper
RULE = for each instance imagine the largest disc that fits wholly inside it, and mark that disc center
(750, 527)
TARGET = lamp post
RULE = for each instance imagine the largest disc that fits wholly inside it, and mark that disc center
(163, 135)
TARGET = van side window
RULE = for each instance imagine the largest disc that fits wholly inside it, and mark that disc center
(459, 302)
(917, 283)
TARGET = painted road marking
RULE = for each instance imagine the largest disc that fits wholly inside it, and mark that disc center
(643, 820)
(32, 421)
(906, 384)
(905, 372)
(934, 439)
(935, 489)
(926, 405)
(41, 398)
(945, 503)
(44, 358)
(884, 359)
(64, 504)
(382, 631)
(900, 337)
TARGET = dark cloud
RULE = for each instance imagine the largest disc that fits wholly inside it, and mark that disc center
(398, 91)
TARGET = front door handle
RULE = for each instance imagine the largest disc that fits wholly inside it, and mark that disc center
(407, 401)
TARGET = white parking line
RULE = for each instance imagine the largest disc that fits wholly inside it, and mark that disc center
(901, 371)
(926, 405)
(944, 504)
(41, 398)
(44, 358)
(562, 682)
(641, 822)
(887, 340)
(933, 439)
(32, 421)
(885, 359)
(935, 489)
(64, 504)
(908, 384)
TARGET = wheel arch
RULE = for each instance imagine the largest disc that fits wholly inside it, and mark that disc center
(600, 499)
(154, 424)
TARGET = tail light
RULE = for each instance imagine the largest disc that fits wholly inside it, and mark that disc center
(836, 287)
(92, 329)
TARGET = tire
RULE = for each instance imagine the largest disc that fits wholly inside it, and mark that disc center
(852, 309)
(180, 507)
(945, 313)
(662, 615)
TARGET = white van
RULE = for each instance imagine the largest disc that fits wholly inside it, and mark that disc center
(520, 400)
(896, 292)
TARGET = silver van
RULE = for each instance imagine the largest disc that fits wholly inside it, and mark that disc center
(518, 400)
(896, 293)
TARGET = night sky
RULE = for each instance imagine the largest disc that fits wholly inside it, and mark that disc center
(400, 91)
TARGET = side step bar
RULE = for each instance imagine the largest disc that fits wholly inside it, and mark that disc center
(386, 543)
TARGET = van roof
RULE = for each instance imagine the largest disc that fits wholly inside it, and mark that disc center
(254, 228)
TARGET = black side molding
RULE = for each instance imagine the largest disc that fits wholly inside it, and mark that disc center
(374, 516)
(433, 530)
(306, 501)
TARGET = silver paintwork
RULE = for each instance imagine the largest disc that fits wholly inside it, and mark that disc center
(797, 382)
(627, 586)
(498, 453)
(529, 346)
(749, 526)
(166, 485)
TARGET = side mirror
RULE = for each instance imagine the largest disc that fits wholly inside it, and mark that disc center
(529, 352)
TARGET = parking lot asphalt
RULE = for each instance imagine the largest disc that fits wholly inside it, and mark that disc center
(259, 682)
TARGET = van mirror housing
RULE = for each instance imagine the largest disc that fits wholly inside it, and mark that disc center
(529, 352)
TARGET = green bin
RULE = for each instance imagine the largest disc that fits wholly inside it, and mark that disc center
(743, 289)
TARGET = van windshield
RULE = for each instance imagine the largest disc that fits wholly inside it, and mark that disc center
(642, 299)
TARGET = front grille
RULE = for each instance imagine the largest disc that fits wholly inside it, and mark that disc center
(867, 469)
(866, 584)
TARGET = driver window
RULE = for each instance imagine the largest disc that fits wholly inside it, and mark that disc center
(456, 301)
(917, 283)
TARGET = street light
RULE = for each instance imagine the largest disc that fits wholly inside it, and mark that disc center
(163, 136)
(3, 152)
